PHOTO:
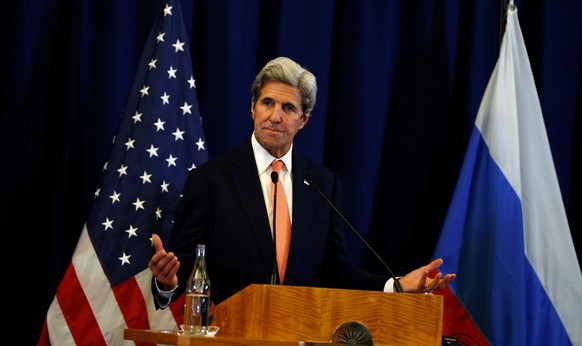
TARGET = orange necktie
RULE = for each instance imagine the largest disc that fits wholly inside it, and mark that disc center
(282, 232)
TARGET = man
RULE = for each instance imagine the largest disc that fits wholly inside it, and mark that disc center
(226, 205)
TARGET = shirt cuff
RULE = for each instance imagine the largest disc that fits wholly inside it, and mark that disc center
(389, 285)
(164, 297)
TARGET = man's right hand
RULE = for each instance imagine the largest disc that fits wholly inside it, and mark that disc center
(164, 265)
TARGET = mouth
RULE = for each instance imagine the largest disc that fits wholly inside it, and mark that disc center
(273, 130)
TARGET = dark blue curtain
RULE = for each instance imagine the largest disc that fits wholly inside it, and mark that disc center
(399, 81)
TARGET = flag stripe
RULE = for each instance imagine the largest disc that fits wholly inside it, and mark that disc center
(131, 303)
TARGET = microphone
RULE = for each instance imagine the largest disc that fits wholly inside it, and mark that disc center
(309, 180)
(274, 275)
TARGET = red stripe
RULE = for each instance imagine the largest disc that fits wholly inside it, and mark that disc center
(77, 311)
(133, 306)
(44, 336)
(177, 308)
(457, 322)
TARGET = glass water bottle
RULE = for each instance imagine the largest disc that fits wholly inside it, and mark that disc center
(197, 304)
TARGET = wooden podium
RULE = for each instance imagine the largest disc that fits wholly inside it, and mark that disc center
(293, 315)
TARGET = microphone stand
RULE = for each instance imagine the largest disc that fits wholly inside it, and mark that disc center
(397, 285)
(275, 274)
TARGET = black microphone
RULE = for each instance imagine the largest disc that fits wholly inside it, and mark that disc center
(397, 285)
(275, 274)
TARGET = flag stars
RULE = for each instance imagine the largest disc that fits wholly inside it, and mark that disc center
(165, 99)
(186, 108)
(152, 63)
(132, 231)
(178, 45)
(159, 125)
(172, 73)
(160, 37)
(200, 144)
(138, 204)
(124, 259)
(122, 170)
(192, 167)
(129, 143)
(153, 150)
(178, 135)
(171, 160)
(167, 10)
(108, 224)
(164, 186)
(192, 82)
(145, 178)
(158, 213)
(115, 197)
(145, 90)
(137, 117)
(97, 192)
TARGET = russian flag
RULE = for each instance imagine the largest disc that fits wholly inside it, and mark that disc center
(506, 234)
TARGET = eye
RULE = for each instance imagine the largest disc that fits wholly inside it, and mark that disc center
(289, 108)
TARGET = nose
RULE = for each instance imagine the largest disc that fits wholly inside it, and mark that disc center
(276, 115)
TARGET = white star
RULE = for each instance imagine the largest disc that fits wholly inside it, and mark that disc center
(164, 186)
(178, 134)
(186, 108)
(158, 213)
(172, 73)
(144, 91)
(129, 143)
(192, 82)
(136, 117)
(145, 177)
(160, 37)
(122, 170)
(152, 63)
(108, 223)
(97, 192)
(200, 144)
(124, 259)
(178, 45)
(159, 124)
(192, 167)
(138, 204)
(115, 197)
(153, 151)
(167, 10)
(132, 231)
(105, 166)
(165, 98)
(171, 160)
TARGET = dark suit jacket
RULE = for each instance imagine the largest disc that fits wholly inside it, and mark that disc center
(223, 207)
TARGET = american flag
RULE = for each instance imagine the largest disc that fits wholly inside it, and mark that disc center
(106, 287)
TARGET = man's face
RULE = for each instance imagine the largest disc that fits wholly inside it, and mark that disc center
(277, 117)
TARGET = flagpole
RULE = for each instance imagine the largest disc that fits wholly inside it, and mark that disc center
(502, 20)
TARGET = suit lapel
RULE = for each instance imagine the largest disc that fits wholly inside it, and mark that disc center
(248, 186)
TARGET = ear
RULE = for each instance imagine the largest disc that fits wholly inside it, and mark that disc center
(253, 108)
(304, 120)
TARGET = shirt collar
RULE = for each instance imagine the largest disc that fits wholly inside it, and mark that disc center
(264, 159)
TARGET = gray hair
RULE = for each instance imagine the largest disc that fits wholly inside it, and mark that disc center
(287, 71)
